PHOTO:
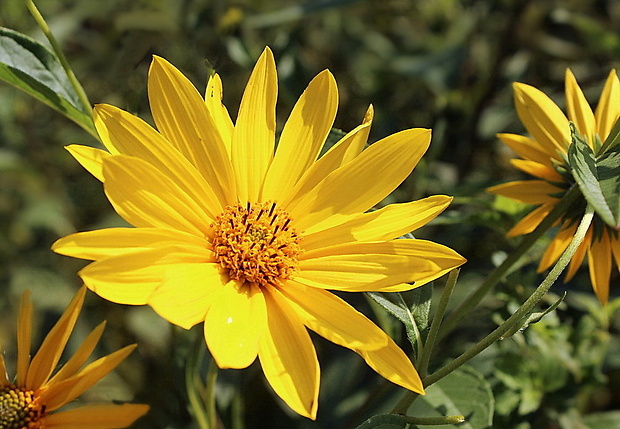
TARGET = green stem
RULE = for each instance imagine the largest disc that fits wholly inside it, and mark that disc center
(77, 87)
(436, 323)
(435, 421)
(193, 384)
(210, 394)
(498, 274)
(522, 311)
(422, 363)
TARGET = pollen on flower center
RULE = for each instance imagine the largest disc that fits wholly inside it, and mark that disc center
(256, 243)
(19, 408)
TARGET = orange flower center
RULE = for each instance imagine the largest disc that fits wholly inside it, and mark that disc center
(256, 243)
(19, 408)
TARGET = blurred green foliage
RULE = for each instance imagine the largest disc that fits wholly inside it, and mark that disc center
(441, 64)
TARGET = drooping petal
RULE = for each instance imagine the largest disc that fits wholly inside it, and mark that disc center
(392, 363)
(254, 134)
(303, 136)
(219, 113)
(332, 318)
(354, 187)
(288, 357)
(234, 327)
(59, 394)
(385, 224)
(599, 263)
(186, 292)
(127, 134)
(131, 278)
(531, 221)
(24, 338)
(527, 148)
(538, 170)
(48, 355)
(579, 111)
(90, 158)
(379, 266)
(543, 119)
(344, 151)
(80, 356)
(556, 247)
(105, 243)
(105, 416)
(527, 191)
(182, 117)
(608, 108)
(146, 198)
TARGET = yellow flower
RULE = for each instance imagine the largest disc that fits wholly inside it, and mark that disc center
(30, 401)
(249, 238)
(544, 157)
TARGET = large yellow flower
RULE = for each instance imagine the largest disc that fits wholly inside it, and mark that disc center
(544, 157)
(248, 238)
(30, 401)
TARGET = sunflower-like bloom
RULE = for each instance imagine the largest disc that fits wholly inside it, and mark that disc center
(30, 401)
(247, 238)
(544, 157)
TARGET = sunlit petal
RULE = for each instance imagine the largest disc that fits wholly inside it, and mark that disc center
(579, 111)
(608, 108)
(90, 158)
(219, 113)
(599, 263)
(108, 416)
(528, 191)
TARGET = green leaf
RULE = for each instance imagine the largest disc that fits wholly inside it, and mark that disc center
(385, 421)
(411, 307)
(584, 169)
(610, 419)
(30, 66)
(608, 169)
(613, 139)
(463, 392)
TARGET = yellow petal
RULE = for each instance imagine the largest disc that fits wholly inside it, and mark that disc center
(527, 191)
(108, 242)
(382, 266)
(332, 318)
(235, 324)
(59, 394)
(146, 198)
(129, 135)
(303, 136)
(344, 151)
(131, 278)
(538, 170)
(385, 224)
(526, 148)
(577, 259)
(182, 117)
(579, 111)
(44, 362)
(186, 292)
(80, 356)
(608, 108)
(354, 188)
(599, 263)
(4, 377)
(288, 358)
(105, 416)
(219, 113)
(542, 118)
(392, 363)
(531, 221)
(615, 248)
(254, 135)
(24, 335)
(556, 247)
(90, 158)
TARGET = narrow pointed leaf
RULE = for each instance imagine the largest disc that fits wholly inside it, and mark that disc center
(33, 68)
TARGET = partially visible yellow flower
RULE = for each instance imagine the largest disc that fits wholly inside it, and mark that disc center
(544, 157)
(249, 238)
(32, 399)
